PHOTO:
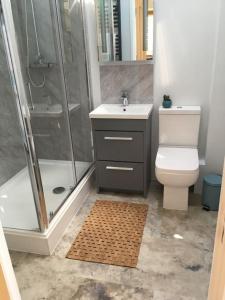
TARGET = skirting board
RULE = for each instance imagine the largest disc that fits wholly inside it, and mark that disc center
(46, 242)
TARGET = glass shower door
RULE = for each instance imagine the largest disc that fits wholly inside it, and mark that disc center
(71, 24)
(51, 58)
(17, 204)
(49, 111)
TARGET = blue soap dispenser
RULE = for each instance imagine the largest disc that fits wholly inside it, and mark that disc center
(167, 102)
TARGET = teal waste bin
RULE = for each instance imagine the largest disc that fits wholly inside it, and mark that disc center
(211, 191)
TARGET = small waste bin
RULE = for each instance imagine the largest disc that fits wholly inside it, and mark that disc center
(211, 191)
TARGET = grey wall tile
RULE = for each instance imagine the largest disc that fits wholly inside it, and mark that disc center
(52, 138)
(137, 79)
(12, 157)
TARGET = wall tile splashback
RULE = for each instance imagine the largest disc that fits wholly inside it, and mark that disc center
(137, 79)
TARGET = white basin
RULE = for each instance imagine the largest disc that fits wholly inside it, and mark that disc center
(117, 111)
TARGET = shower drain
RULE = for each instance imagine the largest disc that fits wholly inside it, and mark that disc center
(58, 190)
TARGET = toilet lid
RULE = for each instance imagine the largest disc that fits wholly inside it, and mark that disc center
(177, 159)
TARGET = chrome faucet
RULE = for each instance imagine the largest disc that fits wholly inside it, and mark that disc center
(124, 98)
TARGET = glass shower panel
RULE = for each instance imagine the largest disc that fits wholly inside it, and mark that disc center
(77, 83)
(42, 72)
(17, 206)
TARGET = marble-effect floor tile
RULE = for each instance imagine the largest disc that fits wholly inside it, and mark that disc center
(174, 261)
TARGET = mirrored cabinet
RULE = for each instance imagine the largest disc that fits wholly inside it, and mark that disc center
(125, 30)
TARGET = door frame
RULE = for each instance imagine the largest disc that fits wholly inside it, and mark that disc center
(217, 279)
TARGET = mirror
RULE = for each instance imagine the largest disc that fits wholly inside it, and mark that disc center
(125, 30)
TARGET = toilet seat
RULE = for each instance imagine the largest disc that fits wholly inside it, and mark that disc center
(177, 169)
(177, 160)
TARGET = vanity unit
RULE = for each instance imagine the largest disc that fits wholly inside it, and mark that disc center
(122, 144)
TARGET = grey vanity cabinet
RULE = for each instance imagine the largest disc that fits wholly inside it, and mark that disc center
(122, 153)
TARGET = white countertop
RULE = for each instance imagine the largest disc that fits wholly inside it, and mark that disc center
(117, 111)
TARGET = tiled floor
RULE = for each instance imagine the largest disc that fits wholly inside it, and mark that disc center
(174, 261)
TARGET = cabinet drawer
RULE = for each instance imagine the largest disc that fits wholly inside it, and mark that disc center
(119, 124)
(119, 146)
(121, 176)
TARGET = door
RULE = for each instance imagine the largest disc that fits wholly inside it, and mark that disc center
(217, 282)
(43, 78)
(3, 285)
(8, 285)
(71, 26)
(21, 197)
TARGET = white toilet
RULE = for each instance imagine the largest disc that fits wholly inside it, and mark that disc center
(177, 162)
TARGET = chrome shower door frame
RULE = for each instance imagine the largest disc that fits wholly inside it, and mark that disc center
(15, 69)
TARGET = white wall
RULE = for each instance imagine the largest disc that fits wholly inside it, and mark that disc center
(185, 56)
(215, 150)
(92, 51)
(184, 52)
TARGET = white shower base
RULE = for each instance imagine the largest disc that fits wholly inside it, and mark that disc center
(45, 242)
(17, 208)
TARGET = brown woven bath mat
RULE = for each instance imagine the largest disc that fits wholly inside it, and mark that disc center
(111, 234)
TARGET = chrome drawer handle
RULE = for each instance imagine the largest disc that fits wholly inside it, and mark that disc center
(119, 168)
(117, 138)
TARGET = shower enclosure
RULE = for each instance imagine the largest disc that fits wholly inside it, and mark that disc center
(45, 133)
